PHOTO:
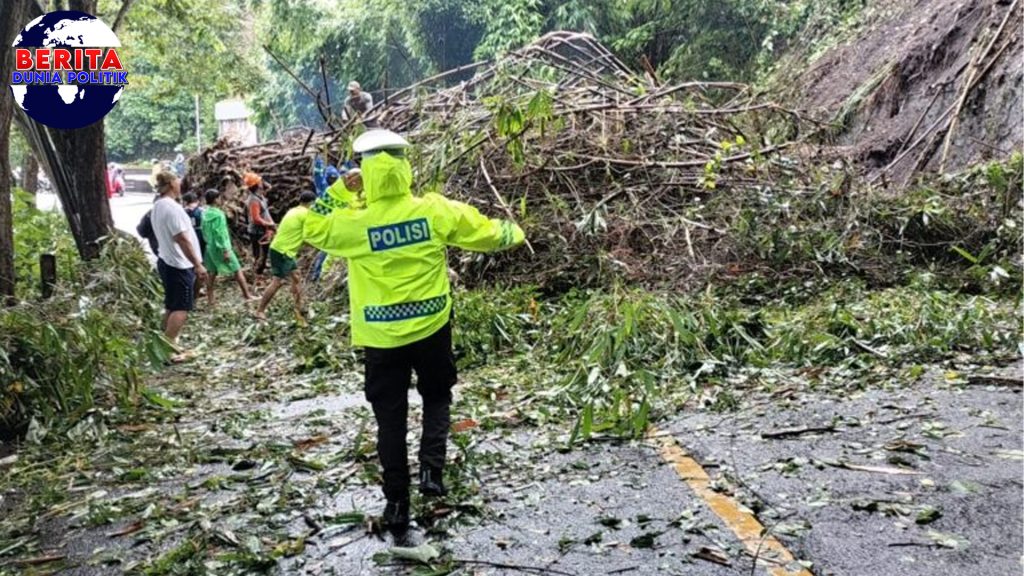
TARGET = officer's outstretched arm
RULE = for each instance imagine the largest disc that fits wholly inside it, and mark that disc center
(470, 230)
(324, 230)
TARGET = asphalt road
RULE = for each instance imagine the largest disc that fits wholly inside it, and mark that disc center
(917, 479)
(920, 480)
(126, 210)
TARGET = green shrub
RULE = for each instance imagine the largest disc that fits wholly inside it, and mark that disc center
(86, 347)
(618, 355)
(37, 232)
(491, 323)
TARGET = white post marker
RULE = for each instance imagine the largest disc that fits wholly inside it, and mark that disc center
(199, 145)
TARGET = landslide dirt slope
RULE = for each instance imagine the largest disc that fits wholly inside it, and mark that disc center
(916, 71)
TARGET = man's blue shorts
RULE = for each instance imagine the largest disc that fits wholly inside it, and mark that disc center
(179, 287)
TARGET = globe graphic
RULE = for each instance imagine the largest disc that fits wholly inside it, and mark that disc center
(66, 106)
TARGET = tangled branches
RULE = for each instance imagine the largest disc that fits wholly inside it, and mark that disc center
(607, 170)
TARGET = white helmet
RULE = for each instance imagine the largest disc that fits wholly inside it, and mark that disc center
(378, 139)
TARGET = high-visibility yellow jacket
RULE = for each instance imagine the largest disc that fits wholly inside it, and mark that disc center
(396, 252)
(339, 196)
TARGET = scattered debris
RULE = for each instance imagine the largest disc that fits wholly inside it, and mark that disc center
(589, 156)
(988, 380)
(794, 432)
(423, 553)
(712, 555)
(944, 540)
(927, 515)
(874, 469)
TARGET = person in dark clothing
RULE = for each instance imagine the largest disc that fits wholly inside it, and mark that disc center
(400, 303)
(194, 210)
(145, 229)
(358, 105)
(195, 213)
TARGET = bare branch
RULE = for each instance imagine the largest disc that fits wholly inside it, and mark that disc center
(125, 6)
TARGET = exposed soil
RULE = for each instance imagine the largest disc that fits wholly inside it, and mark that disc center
(904, 73)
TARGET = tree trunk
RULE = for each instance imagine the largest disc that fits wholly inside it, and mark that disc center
(76, 161)
(11, 16)
(30, 174)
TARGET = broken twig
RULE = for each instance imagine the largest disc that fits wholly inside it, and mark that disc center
(793, 432)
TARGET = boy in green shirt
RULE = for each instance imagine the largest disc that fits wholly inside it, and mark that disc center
(283, 251)
(219, 257)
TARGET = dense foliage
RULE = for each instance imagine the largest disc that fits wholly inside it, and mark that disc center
(38, 232)
(177, 49)
(841, 292)
(87, 346)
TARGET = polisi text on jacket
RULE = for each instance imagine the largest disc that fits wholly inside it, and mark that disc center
(398, 234)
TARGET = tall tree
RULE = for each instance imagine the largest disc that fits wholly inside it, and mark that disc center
(10, 23)
(30, 173)
(157, 112)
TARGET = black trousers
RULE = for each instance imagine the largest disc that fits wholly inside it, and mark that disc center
(388, 377)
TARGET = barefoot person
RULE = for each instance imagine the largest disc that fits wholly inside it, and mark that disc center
(219, 257)
(283, 251)
(180, 261)
(400, 301)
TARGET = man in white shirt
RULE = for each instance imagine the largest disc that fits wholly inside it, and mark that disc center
(180, 259)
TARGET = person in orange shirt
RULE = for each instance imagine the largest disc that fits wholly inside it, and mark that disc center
(261, 225)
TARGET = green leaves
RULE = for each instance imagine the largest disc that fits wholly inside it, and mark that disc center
(423, 554)
(175, 49)
(38, 232)
(944, 540)
(618, 356)
(86, 346)
(510, 123)
(927, 515)
(508, 24)
(645, 540)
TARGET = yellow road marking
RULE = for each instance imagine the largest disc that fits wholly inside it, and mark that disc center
(764, 546)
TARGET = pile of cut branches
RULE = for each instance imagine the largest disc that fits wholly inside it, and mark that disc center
(606, 169)
(284, 164)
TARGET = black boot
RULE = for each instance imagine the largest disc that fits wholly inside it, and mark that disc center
(432, 481)
(396, 515)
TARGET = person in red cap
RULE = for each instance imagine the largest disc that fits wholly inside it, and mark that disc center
(261, 225)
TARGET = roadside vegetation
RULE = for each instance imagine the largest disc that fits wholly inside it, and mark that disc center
(87, 347)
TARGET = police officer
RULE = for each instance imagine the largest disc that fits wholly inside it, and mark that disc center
(401, 303)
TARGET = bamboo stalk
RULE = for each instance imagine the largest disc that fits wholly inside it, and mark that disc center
(969, 85)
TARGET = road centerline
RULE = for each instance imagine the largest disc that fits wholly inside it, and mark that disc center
(743, 524)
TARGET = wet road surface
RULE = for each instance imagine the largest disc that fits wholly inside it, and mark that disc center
(922, 479)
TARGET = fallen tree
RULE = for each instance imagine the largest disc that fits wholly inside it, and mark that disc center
(600, 164)
(616, 177)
